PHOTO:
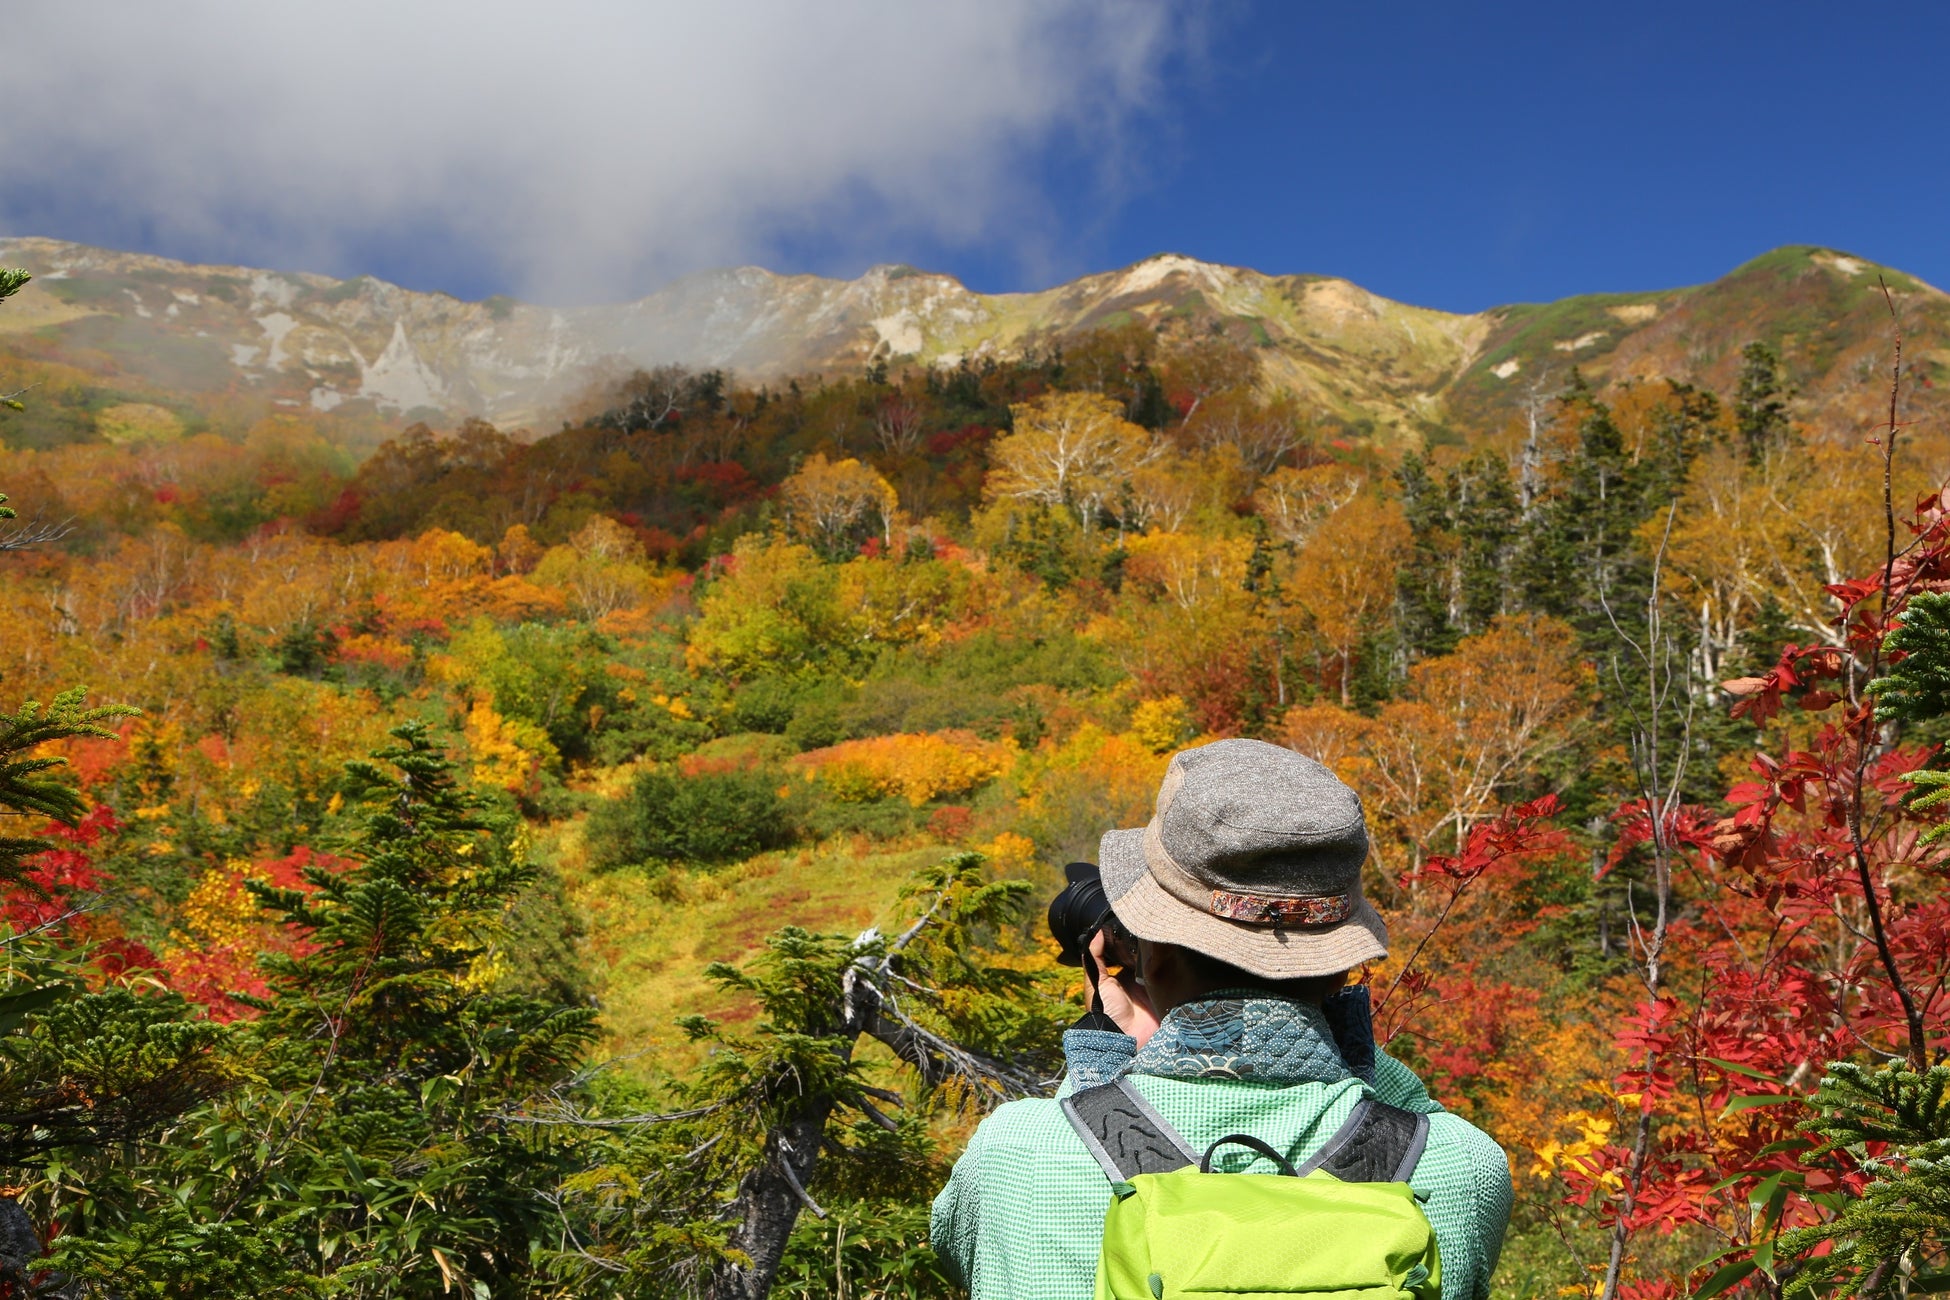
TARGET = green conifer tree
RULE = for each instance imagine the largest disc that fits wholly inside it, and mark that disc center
(1893, 1239)
(403, 1140)
(30, 785)
(1578, 555)
(372, 1133)
(1486, 523)
(1917, 686)
(1760, 402)
(1424, 583)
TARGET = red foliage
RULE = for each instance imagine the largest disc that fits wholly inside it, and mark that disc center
(1479, 1017)
(218, 973)
(969, 439)
(1500, 847)
(336, 517)
(56, 884)
(662, 545)
(951, 822)
(214, 977)
(53, 879)
(724, 482)
(93, 761)
(1773, 965)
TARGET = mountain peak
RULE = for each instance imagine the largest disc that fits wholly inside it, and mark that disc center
(208, 339)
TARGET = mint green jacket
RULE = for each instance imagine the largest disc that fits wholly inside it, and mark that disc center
(1023, 1212)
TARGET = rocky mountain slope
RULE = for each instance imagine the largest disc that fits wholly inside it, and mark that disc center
(109, 331)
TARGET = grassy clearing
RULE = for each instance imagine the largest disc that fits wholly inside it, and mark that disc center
(651, 938)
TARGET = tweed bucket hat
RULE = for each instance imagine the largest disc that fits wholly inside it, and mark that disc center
(1253, 857)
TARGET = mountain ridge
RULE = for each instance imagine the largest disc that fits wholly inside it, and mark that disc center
(136, 325)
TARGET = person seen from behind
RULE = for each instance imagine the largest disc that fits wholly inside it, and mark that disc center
(1224, 1038)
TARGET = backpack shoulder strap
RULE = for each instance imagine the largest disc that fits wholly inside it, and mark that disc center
(1378, 1144)
(1124, 1134)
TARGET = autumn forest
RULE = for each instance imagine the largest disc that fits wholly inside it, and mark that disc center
(608, 859)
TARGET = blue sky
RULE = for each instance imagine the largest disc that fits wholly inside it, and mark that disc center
(1460, 156)
(1449, 155)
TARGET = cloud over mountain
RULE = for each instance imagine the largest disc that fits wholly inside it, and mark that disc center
(572, 150)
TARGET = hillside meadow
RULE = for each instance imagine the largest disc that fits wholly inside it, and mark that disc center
(719, 705)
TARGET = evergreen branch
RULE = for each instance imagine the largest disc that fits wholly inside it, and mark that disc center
(22, 787)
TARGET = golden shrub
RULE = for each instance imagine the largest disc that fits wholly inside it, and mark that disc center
(502, 760)
(1162, 725)
(219, 911)
(918, 767)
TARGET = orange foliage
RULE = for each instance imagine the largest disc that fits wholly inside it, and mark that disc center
(1343, 579)
(918, 767)
(1437, 761)
(1114, 776)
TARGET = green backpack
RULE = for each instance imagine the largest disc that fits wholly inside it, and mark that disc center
(1343, 1225)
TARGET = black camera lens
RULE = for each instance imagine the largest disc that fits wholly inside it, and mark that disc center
(1078, 912)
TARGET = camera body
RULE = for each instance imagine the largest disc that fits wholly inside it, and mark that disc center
(1079, 912)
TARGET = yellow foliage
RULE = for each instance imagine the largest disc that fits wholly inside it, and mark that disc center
(1010, 850)
(501, 760)
(139, 422)
(519, 551)
(900, 602)
(1186, 569)
(599, 572)
(515, 599)
(918, 767)
(827, 500)
(1296, 502)
(219, 910)
(1593, 1135)
(1343, 579)
(1440, 759)
(443, 556)
(1161, 725)
(485, 971)
(1548, 1065)
(1068, 450)
(1114, 776)
(771, 610)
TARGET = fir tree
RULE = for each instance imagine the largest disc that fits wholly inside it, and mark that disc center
(1423, 585)
(1579, 556)
(29, 784)
(408, 1070)
(1760, 403)
(1894, 1238)
(1916, 689)
(1486, 523)
(1917, 685)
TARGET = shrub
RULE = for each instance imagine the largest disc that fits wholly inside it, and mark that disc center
(918, 768)
(819, 719)
(710, 818)
(765, 704)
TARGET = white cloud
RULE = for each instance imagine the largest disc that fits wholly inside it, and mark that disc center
(579, 150)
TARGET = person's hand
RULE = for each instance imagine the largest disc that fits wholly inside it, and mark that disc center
(1123, 999)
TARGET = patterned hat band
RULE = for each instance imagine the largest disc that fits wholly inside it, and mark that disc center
(1302, 913)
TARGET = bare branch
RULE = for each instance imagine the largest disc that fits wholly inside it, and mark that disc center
(792, 1180)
